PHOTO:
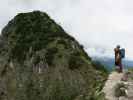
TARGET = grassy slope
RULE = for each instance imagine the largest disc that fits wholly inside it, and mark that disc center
(39, 61)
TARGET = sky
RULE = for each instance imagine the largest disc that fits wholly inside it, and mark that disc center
(99, 25)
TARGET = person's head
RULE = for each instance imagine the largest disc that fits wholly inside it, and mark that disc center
(118, 46)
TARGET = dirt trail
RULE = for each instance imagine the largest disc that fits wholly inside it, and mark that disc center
(113, 79)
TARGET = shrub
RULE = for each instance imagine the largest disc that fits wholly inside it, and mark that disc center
(63, 42)
(50, 55)
(75, 62)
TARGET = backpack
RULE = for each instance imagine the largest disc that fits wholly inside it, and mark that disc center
(122, 52)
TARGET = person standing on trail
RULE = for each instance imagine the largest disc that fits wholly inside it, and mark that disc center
(119, 54)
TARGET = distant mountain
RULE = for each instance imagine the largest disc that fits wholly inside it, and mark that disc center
(108, 62)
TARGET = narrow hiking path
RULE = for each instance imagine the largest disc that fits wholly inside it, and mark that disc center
(114, 79)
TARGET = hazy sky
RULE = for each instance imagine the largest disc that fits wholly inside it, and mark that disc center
(97, 24)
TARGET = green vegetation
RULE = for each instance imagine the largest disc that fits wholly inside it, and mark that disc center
(40, 61)
(75, 61)
(97, 65)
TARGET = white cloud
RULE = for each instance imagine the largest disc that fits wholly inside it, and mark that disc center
(98, 24)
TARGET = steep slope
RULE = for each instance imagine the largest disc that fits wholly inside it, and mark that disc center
(40, 61)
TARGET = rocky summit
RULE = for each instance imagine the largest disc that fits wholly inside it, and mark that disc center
(40, 61)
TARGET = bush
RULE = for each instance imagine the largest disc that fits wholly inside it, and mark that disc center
(63, 42)
(50, 55)
(75, 62)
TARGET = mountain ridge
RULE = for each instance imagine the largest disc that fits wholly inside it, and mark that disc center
(40, 61)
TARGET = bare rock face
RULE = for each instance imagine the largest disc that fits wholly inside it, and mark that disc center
(40, 61)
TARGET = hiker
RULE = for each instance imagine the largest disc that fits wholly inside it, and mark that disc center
(119, 54)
